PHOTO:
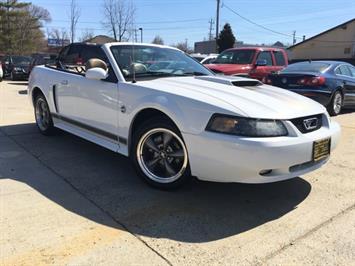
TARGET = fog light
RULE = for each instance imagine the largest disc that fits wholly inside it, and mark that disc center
(265, 172)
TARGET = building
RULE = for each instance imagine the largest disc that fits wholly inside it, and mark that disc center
(337, 43)
(210, 47)
(100, 39)
(205, 47)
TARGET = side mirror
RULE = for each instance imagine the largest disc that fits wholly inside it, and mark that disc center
(261, 62)
(96, 73)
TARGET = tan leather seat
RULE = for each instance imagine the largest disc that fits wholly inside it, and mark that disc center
(94, 62)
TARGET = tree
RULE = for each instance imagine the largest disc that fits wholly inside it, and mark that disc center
(74, 17)
(183, 46)
(226, 38)
(20, 27)
(158, 40)
(59, 34)
(87, 35)
(119, 18)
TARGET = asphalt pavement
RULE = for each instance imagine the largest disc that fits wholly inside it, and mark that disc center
(66, 201)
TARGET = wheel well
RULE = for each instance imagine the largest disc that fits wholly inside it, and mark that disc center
(144, 115)
(35, 92)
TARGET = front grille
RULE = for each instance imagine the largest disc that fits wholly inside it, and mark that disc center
(300, 123)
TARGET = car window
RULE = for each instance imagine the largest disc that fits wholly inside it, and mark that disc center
(21, 60)
(345, 70)
(63, 53)
(73, 57)
(239, 57)
(265, 56)
(279, 58)
(141, 62)
(316, 67)
(90, 52)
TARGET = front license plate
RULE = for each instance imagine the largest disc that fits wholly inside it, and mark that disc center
(321, 149)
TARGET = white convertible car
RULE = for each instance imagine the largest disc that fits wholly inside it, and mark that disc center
(175, 119)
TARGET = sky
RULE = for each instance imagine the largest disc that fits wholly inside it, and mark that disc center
(188, 20)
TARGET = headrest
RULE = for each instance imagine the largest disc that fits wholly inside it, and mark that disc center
(138, 68)
(94, 62)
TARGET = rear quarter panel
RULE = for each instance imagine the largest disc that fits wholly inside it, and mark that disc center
(44, 78)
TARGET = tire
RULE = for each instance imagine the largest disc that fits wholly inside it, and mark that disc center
(43, 116)
(336, 103)
(159, 154)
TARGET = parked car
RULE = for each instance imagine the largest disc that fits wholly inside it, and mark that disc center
(253, 62)
(175, 123)
(330, 83)
(17, 67)
(198, 57)
(204, 58)
(209, 59)
(42, 59)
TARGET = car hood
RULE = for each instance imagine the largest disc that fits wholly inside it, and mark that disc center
(230, 68)
(240, 96)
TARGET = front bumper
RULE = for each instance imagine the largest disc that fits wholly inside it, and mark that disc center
(224, 158)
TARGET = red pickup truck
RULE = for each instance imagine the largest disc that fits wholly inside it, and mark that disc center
(253, 62)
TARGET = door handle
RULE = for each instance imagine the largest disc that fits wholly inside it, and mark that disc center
(64, 82)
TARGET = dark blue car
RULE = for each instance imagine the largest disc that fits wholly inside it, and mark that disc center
(330, 83)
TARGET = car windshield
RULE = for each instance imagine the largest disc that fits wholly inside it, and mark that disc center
(21, 60)
(239, 57)
(316, 67)
(146, 62)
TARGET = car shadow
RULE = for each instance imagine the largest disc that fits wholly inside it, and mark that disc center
(198, 212)
(24, 83)
(347, 111)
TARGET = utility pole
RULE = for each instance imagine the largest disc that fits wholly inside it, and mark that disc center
(210, 36)
(217, 18)
(135, 35)
(141, 29)
(294, 37)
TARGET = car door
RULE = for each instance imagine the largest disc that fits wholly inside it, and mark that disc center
(261, 72)
(279, 61)
(348, 83)
(96, 104)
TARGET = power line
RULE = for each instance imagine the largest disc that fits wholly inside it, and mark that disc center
(254, 23)
(277, 32)
(144, 22)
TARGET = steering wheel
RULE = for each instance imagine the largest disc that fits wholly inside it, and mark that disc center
(178, 69)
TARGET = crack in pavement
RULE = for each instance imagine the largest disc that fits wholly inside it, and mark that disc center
(305, 235)
(88, 199)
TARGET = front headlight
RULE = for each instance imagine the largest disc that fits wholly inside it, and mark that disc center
(18, 69)
(248, 127)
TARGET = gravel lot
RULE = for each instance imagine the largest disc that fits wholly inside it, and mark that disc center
(65, 201)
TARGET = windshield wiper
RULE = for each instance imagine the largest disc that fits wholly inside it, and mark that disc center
(158, 73)
(195, 73)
